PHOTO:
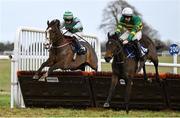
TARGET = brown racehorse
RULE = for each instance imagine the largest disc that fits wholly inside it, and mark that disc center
(61, 53)
(125, 68)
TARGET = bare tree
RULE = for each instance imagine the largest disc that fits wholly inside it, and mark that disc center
(112, 14)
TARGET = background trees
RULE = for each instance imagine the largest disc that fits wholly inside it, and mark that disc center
(111, 15)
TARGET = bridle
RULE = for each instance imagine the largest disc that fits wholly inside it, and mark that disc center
(48, 44)
(118, 50)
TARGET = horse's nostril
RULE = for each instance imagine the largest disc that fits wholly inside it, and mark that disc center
(107, 59)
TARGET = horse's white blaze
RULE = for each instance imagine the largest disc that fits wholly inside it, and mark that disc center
(48, 33)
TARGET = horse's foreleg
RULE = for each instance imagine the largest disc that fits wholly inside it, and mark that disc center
(144, 73)
(54, 67)
(50, 70)
(128, 93)
(156, 69)
(36, 76)
(114, 81)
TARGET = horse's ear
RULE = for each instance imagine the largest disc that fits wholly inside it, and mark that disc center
(108, 35)
(48, 22)
(115, 34)
(58, 22)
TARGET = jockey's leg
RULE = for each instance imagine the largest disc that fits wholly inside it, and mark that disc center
(80, 49)
(140, 56)
(77, 44)
(138, 49)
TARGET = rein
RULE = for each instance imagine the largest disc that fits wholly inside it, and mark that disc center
(118, 52)
(62, 45)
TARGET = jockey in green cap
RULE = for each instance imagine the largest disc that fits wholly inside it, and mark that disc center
(73, 28)
(134, 25)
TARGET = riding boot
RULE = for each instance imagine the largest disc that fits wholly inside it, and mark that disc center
(77, 44)
(79, 48)
(138, 49)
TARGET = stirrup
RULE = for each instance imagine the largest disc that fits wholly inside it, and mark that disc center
(74, 57)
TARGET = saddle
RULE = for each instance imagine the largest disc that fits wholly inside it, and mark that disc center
(76, 46)
(130, 50)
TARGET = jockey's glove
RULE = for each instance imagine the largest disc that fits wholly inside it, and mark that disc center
(70, 29)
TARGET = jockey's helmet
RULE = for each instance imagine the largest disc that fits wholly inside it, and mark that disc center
(127, 11)
(68, 15)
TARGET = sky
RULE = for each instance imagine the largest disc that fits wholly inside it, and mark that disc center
(162, 15)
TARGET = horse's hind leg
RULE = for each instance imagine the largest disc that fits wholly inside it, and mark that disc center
(92, 61)
(114, 81)
(93, 65)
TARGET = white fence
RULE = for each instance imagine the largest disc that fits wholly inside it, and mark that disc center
(174, 65)
(4, 57)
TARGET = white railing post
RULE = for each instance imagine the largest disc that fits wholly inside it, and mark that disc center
(175, 62)
(12, 82)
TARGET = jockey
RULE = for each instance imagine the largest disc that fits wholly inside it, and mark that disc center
(74, 28)
(134, 25)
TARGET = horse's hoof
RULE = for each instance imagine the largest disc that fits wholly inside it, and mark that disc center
(132, 83)
(127, 111)
(160, 82)
(42, 79)
(35, 77)
(106, 105)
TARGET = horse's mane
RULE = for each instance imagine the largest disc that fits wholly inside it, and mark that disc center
(146, 40)
(53, 22)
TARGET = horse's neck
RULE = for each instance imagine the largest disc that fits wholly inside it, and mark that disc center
(59, 39)
(120, 57)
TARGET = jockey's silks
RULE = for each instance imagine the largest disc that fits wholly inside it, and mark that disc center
(75, 26)
(133, 26)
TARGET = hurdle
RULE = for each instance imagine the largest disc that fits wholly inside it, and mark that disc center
(29, 54)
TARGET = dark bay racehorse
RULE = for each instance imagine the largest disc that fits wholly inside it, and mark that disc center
(125, 68)
(61, 53)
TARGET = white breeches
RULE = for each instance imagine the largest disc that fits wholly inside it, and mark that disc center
(137, 36)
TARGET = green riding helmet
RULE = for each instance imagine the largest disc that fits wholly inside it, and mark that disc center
(68, 15)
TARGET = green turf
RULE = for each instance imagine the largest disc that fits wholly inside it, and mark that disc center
(6, 111)
(4, 100)
(4, 75)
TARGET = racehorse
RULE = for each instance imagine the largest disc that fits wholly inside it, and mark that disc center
(124, 67)
(61, 52)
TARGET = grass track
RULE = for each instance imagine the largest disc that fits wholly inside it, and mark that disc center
(5, 110)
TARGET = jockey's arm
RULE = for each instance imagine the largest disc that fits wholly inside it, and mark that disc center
(137, 27)
(78, 27)
(119, 26)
